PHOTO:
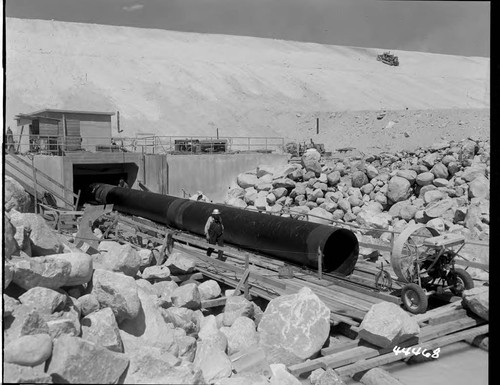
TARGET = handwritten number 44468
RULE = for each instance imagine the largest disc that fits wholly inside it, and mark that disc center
(416, 351)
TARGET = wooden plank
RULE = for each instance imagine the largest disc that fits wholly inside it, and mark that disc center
(242, 280)
(421, 318)
(186, 277)
(358, 353)
(213, 302)
(460, 313)
(477, 265)
(339, 347)
(227, 266)
(363, 365)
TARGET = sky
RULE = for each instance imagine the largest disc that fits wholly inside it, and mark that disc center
(447, 27)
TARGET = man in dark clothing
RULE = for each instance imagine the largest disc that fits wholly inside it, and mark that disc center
(122, 184)
(214, 229)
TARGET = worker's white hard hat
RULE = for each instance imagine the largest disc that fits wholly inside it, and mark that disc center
(216, 212)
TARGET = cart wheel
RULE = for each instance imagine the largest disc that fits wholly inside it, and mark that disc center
(414, 298)
(383, 281)
(461, 280)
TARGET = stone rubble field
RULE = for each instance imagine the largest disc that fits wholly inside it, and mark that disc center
(445, 187)
(118, 317)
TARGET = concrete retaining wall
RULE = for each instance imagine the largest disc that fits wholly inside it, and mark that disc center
(213, 174)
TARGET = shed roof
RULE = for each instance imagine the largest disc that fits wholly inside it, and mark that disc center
(71, 112)
(33, 117)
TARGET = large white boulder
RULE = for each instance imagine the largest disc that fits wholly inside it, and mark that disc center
(386, 325)
(118, 258)
(294, 327)
(117, 291)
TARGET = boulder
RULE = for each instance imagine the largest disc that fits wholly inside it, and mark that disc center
(29, 350)
(18, 374)
(440, 170)
(15, 196)
(285, 183)
(371, 172)
(333, 178)
(327, 377)
(88, 304)
(479, 188)
(165, 288)
(280, 192)
(310, 161)
(118, 258)
(152, 365)
(213, 362)
(187, 347)
(82, 267)
(22, 321)
(181, 318)
(180, 263)
(359, 179)
(281, 376)
(438, 224)
(437, 209)
(440, 182)
(187, 296)
(9, 305)
(237, 306)
(43, 300)
(425, 178)
(246, 180)
(453, 168)
(210, 334)
(295, 175)
(146, 257)
(263, 186)
(160, 272)
(386, 325)
(46, 272)
(236, 193)
(471, 173)
(409, 175)
(433, 196)
(148, 328)
(11, 247)
(75, 360)
(101, 328)
(117, 291)
(8, 274)
(271, 199)
(398, 189)
(430, 159)
(294, 327)
(320, 215)
(43, 239)
(209, 289)
(477, 300)
(240, 335)
(261, 203)
(369, 218)
(236, 202)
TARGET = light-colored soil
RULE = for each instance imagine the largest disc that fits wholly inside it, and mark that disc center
(175, 83)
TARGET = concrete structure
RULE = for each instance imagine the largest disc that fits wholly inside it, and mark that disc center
(212, 174)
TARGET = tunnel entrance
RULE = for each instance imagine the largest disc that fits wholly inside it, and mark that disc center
(111, 173)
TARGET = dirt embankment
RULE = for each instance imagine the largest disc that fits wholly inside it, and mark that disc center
(174, 83)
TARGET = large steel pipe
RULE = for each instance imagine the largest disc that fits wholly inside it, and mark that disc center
(283, 238)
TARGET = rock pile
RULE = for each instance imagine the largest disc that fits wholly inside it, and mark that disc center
(110, 317)
(445, 186)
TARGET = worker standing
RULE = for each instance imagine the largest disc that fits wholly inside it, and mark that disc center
(122, 184)
(214, 230)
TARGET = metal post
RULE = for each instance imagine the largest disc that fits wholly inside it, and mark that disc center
(320, 264)
(317, 125)
(248, 143)
(246, 290)
(217, 134)
(34, 183)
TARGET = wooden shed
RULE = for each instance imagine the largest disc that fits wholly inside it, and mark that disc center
(54, 131)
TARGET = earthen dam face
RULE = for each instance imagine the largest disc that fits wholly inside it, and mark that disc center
(285, 239)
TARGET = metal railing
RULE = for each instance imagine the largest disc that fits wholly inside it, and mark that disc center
(153, 144)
